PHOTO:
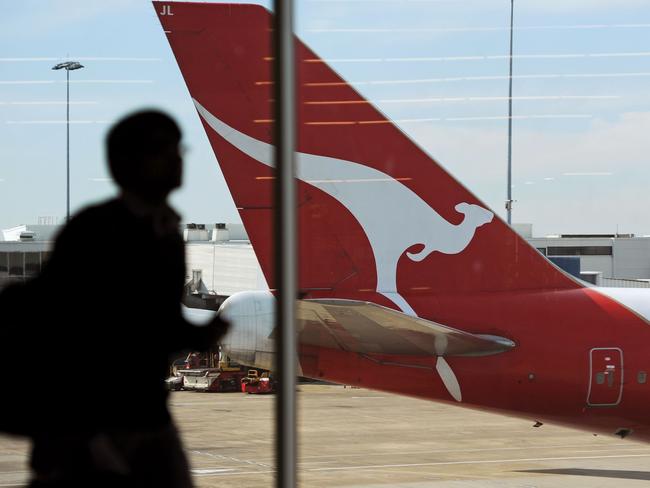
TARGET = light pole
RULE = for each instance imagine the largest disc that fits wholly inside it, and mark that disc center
(509, 193)
(67, 66)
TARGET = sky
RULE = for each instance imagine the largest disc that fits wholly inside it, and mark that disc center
(439, 68)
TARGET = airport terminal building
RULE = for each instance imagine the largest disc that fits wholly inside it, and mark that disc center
(221, 260)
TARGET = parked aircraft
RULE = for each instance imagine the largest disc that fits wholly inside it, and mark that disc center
(409, 283)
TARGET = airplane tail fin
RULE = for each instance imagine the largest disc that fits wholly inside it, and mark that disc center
(379, 219)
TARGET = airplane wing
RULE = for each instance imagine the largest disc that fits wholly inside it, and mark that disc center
(368, 328)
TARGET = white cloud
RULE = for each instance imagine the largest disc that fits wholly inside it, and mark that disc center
(45, 17)
(562, 6)
(604, 147)
(589, 173)
(607, 146)
(481, 5)
(611, 158)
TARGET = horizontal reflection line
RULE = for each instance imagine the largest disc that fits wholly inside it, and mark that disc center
(26, 82)
(464, 99)
(7, 60)
(480, 29)
(43, 82)
(524, 117)
(341, 122)
(475, 58)
(361, 180)
(25, 122)
(469, 78)
(437, 119)
(109, 81)
(48, 103)
(355, 180)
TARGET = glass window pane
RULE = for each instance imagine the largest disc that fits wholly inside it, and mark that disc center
(16, 264)
(580, 251)
(4, 264)
(383, 88)
(32, 263)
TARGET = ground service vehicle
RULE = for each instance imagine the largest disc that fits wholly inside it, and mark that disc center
(211, 379)
(254, 382)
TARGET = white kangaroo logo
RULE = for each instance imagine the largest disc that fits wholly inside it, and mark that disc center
(393, 217)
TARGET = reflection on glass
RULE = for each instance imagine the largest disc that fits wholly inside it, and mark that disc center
(383, 88)
(32, 263)
(16, 264)
(4, 264)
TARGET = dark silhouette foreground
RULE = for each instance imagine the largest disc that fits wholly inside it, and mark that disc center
(95, 329)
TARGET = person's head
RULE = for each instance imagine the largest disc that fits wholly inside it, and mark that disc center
(143, 152)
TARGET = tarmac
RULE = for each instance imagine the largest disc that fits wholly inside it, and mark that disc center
(362, 438)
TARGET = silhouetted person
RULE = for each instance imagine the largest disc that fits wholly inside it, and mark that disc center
(110, 294)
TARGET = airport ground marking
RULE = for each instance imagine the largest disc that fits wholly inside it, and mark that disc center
(476, 461)
(230, 458)
(596, 448)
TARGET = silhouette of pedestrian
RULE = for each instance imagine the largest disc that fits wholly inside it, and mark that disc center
(110, 294)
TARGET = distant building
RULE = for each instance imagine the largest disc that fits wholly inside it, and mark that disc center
(221, 261)
(23, 251)
(605, 259)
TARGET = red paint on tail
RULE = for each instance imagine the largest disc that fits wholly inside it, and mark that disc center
(225, 57)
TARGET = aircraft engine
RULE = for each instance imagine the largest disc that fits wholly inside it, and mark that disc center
(251, 316)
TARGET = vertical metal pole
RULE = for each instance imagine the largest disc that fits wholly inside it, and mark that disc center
(67, 138)
(509, 193)
(285, 241)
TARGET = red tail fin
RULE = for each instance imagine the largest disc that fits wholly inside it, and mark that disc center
(379, 219)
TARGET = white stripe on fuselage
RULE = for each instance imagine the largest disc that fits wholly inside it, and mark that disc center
(636, 299)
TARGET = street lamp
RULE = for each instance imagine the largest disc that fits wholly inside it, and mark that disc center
(68, 66)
